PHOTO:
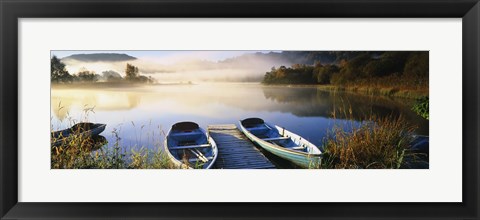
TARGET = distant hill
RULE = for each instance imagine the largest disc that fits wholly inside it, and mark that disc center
(99, 57)
(288, 58)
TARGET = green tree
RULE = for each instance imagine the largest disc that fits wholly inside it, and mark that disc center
(416, 69)
(395, 61)
(325, 73)
(58, 72)
(417, 65)
(131, 72)
(378, 68)
(87, 76)
(354, 68)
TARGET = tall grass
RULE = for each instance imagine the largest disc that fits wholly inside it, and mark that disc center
(392, 86)
(376, 143)
(86, 152)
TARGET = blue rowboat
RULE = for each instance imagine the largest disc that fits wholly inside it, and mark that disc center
(188, 146)
(79, 130)
(281, 142)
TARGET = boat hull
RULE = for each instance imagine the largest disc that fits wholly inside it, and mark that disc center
(211, 152)
(302, 159)
(181, 165)
(67, 135)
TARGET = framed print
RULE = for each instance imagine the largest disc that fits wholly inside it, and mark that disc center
(161, 109)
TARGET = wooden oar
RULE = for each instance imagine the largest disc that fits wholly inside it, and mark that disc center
(200, 153)
(198, 156)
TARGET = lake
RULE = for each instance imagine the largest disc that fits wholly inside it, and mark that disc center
(141, 115)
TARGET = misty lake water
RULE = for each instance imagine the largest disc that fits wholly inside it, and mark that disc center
(142, 115)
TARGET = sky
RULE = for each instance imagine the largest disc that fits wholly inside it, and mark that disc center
(175, 65)
(151, 54)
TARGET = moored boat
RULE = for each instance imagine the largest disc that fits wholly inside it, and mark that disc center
(79, 130)
(281, 142)
(188, 146)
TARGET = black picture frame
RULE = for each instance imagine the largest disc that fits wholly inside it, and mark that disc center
(12, 10)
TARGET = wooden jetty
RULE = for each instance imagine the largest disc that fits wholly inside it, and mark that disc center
(235, 151)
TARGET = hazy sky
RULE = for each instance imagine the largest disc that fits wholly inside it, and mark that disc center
(203, 55)
(175, 66)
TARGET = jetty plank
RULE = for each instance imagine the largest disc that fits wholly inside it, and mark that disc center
(235, 151)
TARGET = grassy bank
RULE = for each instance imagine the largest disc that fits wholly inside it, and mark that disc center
(377, 143)
(90, 153)
(383, 91)
(87, 152)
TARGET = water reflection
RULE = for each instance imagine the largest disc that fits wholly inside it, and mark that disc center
(139, 112)
(312, 101)
(64, 100)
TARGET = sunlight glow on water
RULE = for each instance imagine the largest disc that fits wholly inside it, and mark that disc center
(142, 114)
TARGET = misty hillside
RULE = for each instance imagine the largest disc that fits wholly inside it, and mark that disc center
(288, 58)
(283, 58)
(99, 57)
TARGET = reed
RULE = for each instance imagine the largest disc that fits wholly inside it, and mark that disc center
(375, 143)
(87, 153)
(391, 86)
(96, 153)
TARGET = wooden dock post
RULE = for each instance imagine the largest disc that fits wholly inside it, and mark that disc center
(235, 150)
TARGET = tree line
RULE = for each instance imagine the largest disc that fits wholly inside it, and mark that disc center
(59, 74)
(400, 66)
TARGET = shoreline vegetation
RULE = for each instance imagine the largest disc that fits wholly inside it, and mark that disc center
(59, 75)
(364, 90)
(399, 74)
(86, 152)
(377, 143)
(378, 91)
(119, 84)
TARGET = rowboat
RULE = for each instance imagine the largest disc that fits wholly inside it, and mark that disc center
(79, 130)
(281, 142)
(188, 146)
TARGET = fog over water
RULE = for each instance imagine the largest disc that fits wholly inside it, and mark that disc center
(141, 115)
(181, 66)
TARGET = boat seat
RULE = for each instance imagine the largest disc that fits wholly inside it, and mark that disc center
(297, 148)
(189, 146)
(257, 128)
(275, 138)
(196, 159)
(186, 134)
